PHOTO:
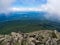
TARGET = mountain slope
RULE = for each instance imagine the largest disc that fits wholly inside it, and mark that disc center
(28, 26)
(26, 22)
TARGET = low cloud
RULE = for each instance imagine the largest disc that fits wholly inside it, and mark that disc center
(5, 5)
(53, 9)
(54, 6)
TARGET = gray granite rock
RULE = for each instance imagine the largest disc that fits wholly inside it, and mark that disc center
(43, 37)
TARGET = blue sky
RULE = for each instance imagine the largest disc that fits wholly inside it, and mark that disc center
(19, 5)
(51, 6)
(29, 3)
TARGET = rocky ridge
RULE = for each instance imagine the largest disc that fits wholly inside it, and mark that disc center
(42, 37)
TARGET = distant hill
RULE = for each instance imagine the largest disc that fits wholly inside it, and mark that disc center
(26, 22)
(22, 16)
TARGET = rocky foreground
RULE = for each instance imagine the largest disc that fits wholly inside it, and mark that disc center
(43, 37)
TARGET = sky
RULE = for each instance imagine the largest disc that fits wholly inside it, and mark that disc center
(21, 5)
(50, 6)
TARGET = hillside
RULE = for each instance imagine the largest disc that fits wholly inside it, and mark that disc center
(27, 26)
(26, 22)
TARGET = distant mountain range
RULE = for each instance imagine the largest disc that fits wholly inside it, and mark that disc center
(28, 15)
(22, 16)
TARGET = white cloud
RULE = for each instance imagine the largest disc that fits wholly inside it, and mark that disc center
(5, 5)
(53, 8)
(41, 8)
(54, 5)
